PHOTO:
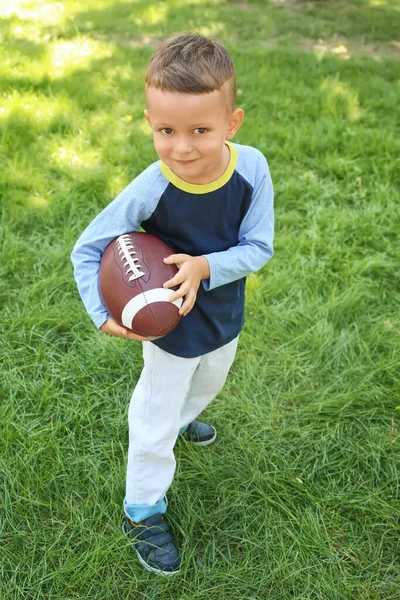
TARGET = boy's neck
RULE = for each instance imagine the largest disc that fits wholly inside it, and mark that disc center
(215, 175)
(200, 185)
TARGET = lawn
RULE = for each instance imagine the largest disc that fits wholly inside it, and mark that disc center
(299, 496)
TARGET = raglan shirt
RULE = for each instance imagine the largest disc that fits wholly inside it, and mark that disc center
(229, 221)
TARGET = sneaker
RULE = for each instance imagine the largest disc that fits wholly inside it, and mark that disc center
(200, 433)
(153, 544)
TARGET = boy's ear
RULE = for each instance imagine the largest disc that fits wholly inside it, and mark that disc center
(146, 114)
(234, 122)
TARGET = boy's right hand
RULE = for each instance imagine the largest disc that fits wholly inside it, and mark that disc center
(113, 328)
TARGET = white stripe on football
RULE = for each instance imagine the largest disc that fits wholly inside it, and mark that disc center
(141, 300)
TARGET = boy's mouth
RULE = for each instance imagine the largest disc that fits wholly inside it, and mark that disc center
(186, 162)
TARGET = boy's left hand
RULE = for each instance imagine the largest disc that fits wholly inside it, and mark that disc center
(192, 269)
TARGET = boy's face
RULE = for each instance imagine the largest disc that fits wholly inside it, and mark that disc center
(189, 132)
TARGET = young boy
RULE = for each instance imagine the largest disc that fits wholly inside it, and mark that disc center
(212, 202)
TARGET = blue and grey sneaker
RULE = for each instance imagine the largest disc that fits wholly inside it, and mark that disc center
(200, 433)
(153, 545)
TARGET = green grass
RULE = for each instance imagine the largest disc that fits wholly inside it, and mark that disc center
(299, 497)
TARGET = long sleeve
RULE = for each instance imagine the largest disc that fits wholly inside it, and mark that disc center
(124, 214)
(256, 233)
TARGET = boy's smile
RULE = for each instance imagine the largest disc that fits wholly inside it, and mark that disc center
(190, 130)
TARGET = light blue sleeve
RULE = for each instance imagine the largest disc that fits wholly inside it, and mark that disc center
(133, 205)
(256, 235)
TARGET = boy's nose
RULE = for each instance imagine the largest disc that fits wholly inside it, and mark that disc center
(183, 146)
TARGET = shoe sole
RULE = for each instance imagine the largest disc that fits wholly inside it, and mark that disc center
(207, 442)
(144, 563)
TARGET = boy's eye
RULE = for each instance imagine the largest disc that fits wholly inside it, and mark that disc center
(166, 130)
(200, 130)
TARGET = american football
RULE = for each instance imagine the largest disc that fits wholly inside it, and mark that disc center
(131, 278)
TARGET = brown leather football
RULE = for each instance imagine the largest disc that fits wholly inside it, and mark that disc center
(131, 278)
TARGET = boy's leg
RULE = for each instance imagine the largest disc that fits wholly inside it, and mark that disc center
(208, 380)
(154, 423)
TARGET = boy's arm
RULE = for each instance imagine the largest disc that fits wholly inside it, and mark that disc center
(256, 234)
(124, 214)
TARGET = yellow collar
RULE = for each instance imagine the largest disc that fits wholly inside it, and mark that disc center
(203, 188)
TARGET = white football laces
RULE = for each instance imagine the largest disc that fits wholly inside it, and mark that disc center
(126, 250)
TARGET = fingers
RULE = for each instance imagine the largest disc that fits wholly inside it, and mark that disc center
(190, 299)
(186, 308)
(111, 327)
(176, 258)
(176, 280)
(188, 278)
(133, 336)
(184, 290)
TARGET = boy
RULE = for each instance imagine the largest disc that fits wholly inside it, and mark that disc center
(212, 202)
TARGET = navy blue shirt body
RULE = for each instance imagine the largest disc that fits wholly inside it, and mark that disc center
(212, 223)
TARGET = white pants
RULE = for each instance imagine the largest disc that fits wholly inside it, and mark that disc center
(171, 392)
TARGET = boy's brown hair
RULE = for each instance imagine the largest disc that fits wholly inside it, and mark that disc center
(192, 64)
